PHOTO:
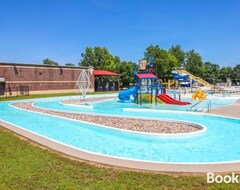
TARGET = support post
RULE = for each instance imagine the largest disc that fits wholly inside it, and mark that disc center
(140, 91)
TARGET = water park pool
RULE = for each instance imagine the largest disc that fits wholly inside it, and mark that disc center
(113, 106)
(218, 144)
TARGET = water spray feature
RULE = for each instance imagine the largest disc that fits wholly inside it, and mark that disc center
(83, 83)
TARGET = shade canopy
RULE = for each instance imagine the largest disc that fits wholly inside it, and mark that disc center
(146, 76)
(104, 73)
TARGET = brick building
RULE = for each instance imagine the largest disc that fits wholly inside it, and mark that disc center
(15, 78)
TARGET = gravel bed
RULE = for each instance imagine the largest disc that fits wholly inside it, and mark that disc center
(142, 125)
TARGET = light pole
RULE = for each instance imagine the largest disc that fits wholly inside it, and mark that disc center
(91, 69)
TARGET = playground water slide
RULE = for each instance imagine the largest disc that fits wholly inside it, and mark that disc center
(126, 94)
(198, 79)
(178, 77)
(183, 79)
(169, 100)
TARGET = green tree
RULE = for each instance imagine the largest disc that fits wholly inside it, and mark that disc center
(236, 74)
(126, 70)
(117, 61)
(88, 58)
(224, 73)
(179, 54)
(69, 64)
(164, 61)
(194, 63)
(99, 58)
(49, 62)
(211, 72)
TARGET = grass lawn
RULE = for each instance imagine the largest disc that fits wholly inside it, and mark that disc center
(48, 95)
(25, 166)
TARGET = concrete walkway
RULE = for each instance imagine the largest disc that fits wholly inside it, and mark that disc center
(229, 110)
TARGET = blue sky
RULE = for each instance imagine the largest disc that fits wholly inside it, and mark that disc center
(32, 30)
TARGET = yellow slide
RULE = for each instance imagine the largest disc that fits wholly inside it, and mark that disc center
(199, 95)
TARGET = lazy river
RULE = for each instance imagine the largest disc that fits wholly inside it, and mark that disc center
(219, 143)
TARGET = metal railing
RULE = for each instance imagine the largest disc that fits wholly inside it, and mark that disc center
(175, 93)
(208, 105)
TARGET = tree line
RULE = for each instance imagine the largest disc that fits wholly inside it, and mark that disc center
(165, 60)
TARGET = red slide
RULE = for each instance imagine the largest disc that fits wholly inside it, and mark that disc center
(169, 100)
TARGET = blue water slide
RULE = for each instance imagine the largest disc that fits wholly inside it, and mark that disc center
(178, 76)
(182, 78)
(185, 76)
(125, 95)
(185, 83)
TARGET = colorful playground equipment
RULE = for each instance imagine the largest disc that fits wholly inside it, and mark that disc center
(169, 83)
(199, 95)
(187, 79)
(146, 88)
(126, 94)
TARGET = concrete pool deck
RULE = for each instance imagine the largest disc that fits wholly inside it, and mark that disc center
(232, 110)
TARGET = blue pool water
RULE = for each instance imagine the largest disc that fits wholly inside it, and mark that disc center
(220, 143)
(115, 107)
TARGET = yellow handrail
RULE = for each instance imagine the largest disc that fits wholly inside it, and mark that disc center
(169, 83)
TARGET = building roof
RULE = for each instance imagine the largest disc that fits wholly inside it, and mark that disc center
(146, 75)
(104, 73)
(42, 65)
